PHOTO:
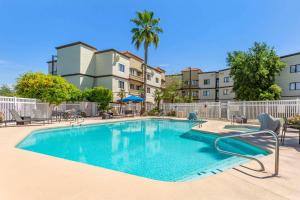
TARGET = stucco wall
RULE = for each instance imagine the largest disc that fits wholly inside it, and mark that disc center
(210, 76)
(68, 60)
(285, 78)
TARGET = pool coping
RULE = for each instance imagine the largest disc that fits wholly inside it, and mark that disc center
(80, 179)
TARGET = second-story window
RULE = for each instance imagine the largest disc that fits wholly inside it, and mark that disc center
(186, 82)
(295, 68)
(206, 93)
(194, 82)
(295, 86)
(148, 90)
(226, 79)
(225, 91)
(148, 77)
(195, 93)
(157, 80)
(206, 82)
(132, 86)
(121, 67)
(121, 84)
(133, 72)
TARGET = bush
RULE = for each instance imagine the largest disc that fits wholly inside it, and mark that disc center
(172, 113)
(294, 120)
(154, 112)
(102, 96)
(47, 88)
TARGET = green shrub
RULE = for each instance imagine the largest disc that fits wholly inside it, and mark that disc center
(102, 96)
(294, 120)
(172, 113)
(154, 112)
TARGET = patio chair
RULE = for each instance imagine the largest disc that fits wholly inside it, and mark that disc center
(23, 121)
(267, 122)
(116, 114)
(129, 113)
(286, 126)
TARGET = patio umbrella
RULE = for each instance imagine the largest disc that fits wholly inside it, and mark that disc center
(134, 99)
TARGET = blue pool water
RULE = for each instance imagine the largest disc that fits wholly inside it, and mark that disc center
(165, 150)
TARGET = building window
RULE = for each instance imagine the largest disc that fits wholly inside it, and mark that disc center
(148, 90)
(157, 80)
(121, 84)
(183, 93)
(225, 92)
(132, 86)
(226, 79)
(133, 72)
(295, 86)
(121, 67)
(138, 87)
(195, 93)
(195, 82)
(186, 82)
(206, 93)
(148, 77)
(206, 82)
(295, 68)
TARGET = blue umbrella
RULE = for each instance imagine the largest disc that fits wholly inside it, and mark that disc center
(134, 99)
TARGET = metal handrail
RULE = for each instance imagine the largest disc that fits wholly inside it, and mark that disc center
(249, 157)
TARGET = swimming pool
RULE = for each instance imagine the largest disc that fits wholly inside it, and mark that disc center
(160, 149)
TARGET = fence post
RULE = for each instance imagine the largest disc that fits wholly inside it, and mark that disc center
(228, 110)
(267, 106)
(298, 105)
(244, 108)
(15, 103)
(220, 110)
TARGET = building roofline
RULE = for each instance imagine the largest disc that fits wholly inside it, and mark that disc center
(114, 50)
(173, 74)
(289, 55)
(133, 55)
(75, 43)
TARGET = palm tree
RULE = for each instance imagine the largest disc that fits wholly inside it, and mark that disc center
(145, 32)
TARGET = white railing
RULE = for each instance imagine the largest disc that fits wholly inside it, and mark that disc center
(250, 109)
(35, 109)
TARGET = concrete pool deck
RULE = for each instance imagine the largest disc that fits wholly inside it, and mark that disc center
(28, 175)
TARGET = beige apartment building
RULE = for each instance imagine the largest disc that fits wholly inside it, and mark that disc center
(218, 85)
(86, 67)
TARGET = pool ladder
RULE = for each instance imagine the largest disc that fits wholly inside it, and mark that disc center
(250, 157)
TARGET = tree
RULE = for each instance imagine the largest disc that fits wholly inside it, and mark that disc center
(47, 88)
(158, 96)
(121, 95)
(254, 72)
(102, 96)
(145, 33)
(171, 92)
(5, 90)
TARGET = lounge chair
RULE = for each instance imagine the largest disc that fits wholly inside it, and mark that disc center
(286, 126)
(267, 122)
(192, 116)
(23, 121)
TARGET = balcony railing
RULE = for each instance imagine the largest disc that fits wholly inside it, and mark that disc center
(134, 92)
(137, 78)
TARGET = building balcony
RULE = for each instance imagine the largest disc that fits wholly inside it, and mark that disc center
(188, 86)
(135, 92)
(136, 78)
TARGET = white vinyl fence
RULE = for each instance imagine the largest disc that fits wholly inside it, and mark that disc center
(35, 109)
(250, 109)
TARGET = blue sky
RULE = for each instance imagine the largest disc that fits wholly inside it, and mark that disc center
(196, 33)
